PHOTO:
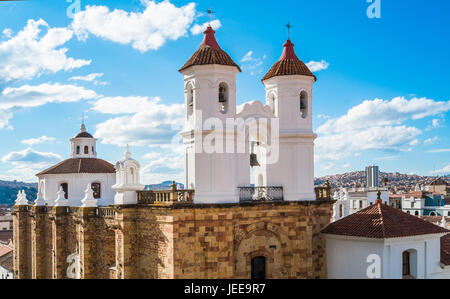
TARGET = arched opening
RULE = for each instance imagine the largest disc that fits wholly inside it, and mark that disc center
(408, 212)
(65, 188)
(448, 214)
(97, 188)
(433, 214)
(78, 150)
(273, 103)
(86, 150)
(223, 98)
(341, 212)
(259, 268)
(304, 104)
(416, 213)
(132, 175)
(93, 151)
(409, 264)
(360, 204)
(260, 180)
(190, 100)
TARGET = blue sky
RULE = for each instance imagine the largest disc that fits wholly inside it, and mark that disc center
(382, 95)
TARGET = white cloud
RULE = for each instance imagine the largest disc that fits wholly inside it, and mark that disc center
(147, 30)
(198, 29)
(7, 32)
(317, 66)
(431, 140)
(388, 158)
(39, 140)
(88, 78)
(251, 63)
(434, 124)
(375, 124)
(142, 121)
(166, 166)
(28, 96)
(439, 151)
(28, 54)
(444, 170)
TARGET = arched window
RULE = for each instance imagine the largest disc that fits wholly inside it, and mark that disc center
(360, 204)
(97, 188)
(86, 150)
(132, 175)
(273, 103)
(259, 268)
(341, 212)
(65, 188)
(304, 104)
(190, 100)
(417, 213)
(223, 98)
(432, 214)
(78, 150)
(93, 152)
(448, 214)
(408, 212)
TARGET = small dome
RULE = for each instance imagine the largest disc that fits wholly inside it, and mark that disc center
(288, 65)
(210, 53)
(83, 133)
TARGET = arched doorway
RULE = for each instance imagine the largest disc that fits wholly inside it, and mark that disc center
(258, 268)
(409, 264)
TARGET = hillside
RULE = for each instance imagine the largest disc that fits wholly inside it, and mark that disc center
(352, 179)
(9, 190)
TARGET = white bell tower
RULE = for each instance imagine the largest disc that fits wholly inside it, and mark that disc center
(289, 88)
(83, 145)
(210, 92)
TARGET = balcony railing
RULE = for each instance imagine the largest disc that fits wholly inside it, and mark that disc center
(166, 197)
(323, 192)
(252, 194)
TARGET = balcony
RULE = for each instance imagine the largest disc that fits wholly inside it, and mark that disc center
(166, 197)
(260, 194)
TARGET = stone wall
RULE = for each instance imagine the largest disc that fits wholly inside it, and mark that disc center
(173, 241)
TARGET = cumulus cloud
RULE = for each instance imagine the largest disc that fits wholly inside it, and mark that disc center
(7, 32)
(431, 140)
(443, 171)
(166, 166)
(440, 151)
(30, 54)
(317, 66)
(375, 124)
(28, 96)
(198, 29)
(140, 121)
(144, 31)
(39, 140)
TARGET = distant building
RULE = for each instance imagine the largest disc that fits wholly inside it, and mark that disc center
(372, 176)
(6, 221)
(439, 186)
(6, 261)
(425, 204)
(350, 201)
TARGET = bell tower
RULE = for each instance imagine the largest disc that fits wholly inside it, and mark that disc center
(210, 99)
(289, 89)
(83, 145)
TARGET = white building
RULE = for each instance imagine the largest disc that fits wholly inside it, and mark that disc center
(350, 201)
(383, 242)
(217, 174)
(6, 261)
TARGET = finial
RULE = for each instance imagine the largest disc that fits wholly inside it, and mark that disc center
(289, 26)
(379, 200)
(127, 152)
(209, 12)
(83, 126)
(443, 222)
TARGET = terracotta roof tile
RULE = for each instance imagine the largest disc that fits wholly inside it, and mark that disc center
(210, 53)
(80, 165)
(288, 65)
(380, 221)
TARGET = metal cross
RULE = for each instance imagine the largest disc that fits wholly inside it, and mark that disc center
(209, 12)
(289, 26)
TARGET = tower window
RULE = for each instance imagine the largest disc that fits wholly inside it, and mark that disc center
(190, 100)
(93, 152)
(65, 188)
(223, 98)
(96, 187)
(78, 150)
(273, 103)
(86, 150)
(304, 104)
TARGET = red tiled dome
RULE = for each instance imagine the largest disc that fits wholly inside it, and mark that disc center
(288, 65)
(210, 53)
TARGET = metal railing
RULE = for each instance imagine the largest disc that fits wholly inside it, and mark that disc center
(166, 197)
(252, 194)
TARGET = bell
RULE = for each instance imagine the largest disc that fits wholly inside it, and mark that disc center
(222, 98)
(254, 160)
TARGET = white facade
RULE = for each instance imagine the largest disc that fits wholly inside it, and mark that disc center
(413, 206)
(5, 273)
(357, 258)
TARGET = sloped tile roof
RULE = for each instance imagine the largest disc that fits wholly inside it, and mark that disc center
(288, 65)
(210, 53)
(80, 165)
(380, 221)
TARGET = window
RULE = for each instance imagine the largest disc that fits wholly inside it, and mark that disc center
(409, 264)
(304, 104)
(406, 264)
(408, 212)
(259, 268)
(223, 98)
(96, 187)
(86, 150)
(78, 150)
(93, 152)
(65, 188)
(448, 214)
(417, 213)
(360, 204)
(341, 213)
(190, 100)
(273, 103)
